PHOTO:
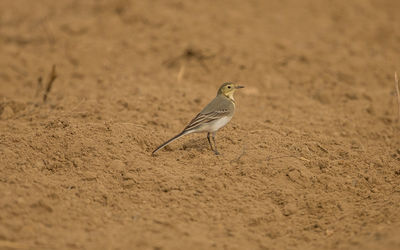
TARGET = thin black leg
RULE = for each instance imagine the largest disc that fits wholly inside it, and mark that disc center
(215, 144)
(209, 141)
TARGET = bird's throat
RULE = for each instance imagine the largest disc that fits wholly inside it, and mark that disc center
(230, 96)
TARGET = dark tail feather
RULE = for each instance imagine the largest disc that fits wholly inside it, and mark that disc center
(169, 141)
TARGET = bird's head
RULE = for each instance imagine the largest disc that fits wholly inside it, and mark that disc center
(228, 88)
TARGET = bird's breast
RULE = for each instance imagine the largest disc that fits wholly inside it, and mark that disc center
(214, 126)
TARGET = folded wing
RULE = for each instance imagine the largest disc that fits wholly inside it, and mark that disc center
(204, 118)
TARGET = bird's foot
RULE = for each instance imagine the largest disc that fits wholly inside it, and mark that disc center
(216, 152)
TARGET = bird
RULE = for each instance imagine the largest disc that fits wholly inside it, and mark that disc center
(213, 117)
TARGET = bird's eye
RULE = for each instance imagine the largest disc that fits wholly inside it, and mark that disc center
(229, 87)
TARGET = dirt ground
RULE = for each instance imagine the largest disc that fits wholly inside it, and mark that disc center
(311, 159)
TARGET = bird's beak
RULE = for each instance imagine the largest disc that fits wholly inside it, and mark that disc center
(239, 87)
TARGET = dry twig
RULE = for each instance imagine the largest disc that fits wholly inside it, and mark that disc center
(240, 156)
(287, 156)
(322, 148)
(39, 86)
(52, 77)
(181, 73)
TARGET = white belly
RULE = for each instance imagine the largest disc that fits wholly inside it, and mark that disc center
(215, 125)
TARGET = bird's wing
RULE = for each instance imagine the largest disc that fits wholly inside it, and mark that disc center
(200, 119)
(203, 118)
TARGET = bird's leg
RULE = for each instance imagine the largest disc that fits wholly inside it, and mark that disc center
(215, 144)
(209, 141)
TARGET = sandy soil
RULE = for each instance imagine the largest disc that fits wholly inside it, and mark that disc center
(311, 159)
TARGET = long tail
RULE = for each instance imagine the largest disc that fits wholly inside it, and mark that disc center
(170, 140)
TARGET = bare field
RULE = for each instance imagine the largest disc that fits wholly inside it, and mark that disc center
(311, 159)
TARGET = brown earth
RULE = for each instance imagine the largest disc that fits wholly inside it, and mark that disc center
(311, 159)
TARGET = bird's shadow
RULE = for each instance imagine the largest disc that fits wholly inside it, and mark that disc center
(198, 144)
